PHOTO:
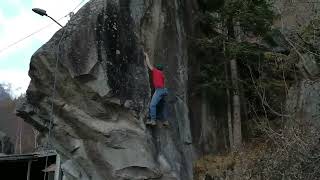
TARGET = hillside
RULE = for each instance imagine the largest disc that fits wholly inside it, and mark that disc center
(242, 79)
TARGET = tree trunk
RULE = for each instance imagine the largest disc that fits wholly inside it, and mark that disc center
(20, 136)
(229, 120)
(204, 116)
(237, 135)
(230, 129)
(35, 133)
(204, 122)
(208, 136)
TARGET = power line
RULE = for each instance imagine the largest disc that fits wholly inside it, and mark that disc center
(41, 29)
(22, 39)
(26, 37)
(37, 31)
(77, 5)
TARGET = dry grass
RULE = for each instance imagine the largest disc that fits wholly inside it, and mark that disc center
(289, 154)
(231, 164)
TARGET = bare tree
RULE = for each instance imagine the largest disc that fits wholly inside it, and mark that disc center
(236, 105)
(36, 134)
(230, 129)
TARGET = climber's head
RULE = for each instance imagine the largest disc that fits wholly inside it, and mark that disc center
(159, 67)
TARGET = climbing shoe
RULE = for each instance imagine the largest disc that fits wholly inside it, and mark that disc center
(165, 124)
(151, 122)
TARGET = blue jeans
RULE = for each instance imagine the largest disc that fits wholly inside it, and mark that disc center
(158, 95)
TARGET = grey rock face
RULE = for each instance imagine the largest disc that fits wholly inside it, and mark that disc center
(102, 91)
(304, 101)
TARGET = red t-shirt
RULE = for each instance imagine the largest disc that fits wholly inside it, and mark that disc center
(157, 78)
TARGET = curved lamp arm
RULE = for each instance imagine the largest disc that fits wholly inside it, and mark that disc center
(42, 12)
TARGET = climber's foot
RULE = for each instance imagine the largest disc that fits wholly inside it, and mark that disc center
(151, 122)
(165, 124)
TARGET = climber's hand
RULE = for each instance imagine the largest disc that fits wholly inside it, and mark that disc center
(147, 60)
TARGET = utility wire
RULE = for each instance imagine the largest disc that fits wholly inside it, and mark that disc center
(43, 28)
(37, 31)
(22, 39)
(78, 5)
(28, 36)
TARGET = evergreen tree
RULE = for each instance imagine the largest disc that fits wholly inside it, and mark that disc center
(227, 27)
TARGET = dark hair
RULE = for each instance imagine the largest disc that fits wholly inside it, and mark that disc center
(159, 66)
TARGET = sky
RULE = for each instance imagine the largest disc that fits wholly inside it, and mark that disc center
(17, 21)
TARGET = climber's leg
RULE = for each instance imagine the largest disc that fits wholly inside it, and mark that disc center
(165, 113)
(153, 106)
(165, 108)
(160, 109)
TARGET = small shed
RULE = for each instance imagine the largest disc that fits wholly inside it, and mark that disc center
(34, 166)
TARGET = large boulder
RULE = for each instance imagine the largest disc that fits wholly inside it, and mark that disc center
(102, 90)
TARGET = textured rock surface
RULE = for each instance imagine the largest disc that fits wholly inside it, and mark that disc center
(304, 101)
(295, 13)
(103, 91)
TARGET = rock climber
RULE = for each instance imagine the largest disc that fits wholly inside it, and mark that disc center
(159, 93)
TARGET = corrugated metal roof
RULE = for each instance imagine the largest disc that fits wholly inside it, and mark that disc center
(15, 157)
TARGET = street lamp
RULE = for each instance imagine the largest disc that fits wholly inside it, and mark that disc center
(42, 12)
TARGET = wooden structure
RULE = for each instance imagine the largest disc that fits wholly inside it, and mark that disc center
(31, 166)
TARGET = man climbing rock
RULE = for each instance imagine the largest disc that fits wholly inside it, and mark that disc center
(159, 93)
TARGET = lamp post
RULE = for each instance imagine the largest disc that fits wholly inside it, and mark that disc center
(42, 12)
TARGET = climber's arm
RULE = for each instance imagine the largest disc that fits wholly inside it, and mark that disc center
(148, 61)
